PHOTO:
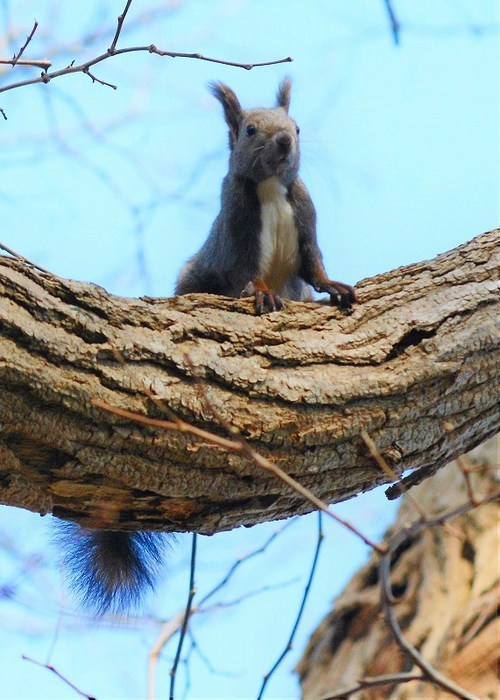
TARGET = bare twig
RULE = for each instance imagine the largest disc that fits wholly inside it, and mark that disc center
(20, 257)
(394, 22)
(178, 424)
(45, 64)
(303, 491)
(236, 565)
(461, 464)
(18, 55)
(305, 596)
(84, 67)
(388, 600)
(187, 615)
(59, 675)
(3, 114)
(201, 57)
(374, 682)
(490, 610)
(167, 632)
(223, 605)
(210, 667)
(121, 20)
(238, 445)
(460, 510)
(98, 80)
(382, 463)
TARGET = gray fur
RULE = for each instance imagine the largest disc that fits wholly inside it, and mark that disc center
(264, 143)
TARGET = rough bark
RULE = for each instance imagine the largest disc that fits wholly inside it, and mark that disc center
(420, 348)
(446, 583)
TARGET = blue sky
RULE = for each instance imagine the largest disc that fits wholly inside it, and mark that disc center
(400, 153)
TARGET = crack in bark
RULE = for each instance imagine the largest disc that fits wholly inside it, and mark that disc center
(411, 338)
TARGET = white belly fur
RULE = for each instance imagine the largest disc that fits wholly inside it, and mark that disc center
(279, 244)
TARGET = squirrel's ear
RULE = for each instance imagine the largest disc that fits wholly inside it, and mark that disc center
(284, 94)
(232, 108)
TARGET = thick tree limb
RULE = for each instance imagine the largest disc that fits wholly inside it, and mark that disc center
(420, 348)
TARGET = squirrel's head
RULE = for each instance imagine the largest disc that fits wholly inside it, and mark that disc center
(263, 142)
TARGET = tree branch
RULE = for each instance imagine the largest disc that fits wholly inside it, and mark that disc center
(121, 20)
(85, 67)
(419, 350)
(35, 63)
(394, 22)
(15, 59)
(46, 77)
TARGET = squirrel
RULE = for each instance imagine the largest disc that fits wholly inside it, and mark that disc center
(110, 570)
(263, 241)
(262, 244)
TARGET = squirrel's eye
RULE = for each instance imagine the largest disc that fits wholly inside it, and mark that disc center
(251, 130)
(297, 129)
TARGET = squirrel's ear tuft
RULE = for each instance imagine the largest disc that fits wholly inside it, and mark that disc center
(232, 108)
(284, 94)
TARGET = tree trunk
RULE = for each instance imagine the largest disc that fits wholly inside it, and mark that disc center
(419, 349)
(446, 583)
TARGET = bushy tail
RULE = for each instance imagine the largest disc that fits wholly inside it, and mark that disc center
(110, 570)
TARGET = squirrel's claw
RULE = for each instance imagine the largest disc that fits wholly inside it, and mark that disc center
(342, 295)
(265, 300)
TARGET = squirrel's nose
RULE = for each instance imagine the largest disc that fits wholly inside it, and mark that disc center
(284, 141)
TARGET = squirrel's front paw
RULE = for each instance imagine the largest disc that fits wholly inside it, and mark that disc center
(265, 300)
(342, 295)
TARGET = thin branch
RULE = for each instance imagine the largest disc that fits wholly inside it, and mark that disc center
(303, 491)
(59, 675)
(388, 600)
(238, 445)
(394, 22)
(84, 67)
(305, 596)
(490, 610)
(204, 658)
(121, 20)
(16, 58)
(201, 57)
(374, 682)
(236, 565)
(45, 64)
(468, 483)
(461, 510)
(20, 257)
(95, 79)
(167, 632)
(382, 463)
(187, 615)
(223, 605)
(464, 468)
(178, 425)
